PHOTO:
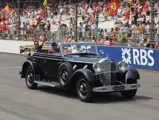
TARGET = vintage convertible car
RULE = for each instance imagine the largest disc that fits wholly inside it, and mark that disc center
(80, 67)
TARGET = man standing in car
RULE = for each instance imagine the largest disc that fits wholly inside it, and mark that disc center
(38, 48)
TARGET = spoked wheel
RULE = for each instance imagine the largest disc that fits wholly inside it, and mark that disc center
(29, 78)
(65, 71)
(64, 76)
(83, 89)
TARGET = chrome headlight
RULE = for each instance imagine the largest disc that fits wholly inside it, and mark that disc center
(96, 67)
(122, 66)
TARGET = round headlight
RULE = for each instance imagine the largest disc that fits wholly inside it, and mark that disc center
(96, 67)
(122, 66)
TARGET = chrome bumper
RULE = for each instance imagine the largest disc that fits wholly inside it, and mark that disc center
(116, 88)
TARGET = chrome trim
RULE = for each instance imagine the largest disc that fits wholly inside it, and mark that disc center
(66, 60)
(99, 73)
(120, 88)
(76, 61)
(68, 43)
(78, 43)
(47, 58)
(85, 67)
(74, 67)
(44, 83)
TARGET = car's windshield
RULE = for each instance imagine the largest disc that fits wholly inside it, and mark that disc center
(70, 48)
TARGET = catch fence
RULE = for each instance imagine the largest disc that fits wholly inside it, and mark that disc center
(102, 37)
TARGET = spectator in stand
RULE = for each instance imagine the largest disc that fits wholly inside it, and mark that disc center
(37, 19)
(157, 45)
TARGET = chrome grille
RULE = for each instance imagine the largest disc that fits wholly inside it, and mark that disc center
(108, 76)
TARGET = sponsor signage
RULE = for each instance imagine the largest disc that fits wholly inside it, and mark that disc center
(137, 57)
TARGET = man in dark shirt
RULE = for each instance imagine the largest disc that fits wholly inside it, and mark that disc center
(38, 48)
(55, 49)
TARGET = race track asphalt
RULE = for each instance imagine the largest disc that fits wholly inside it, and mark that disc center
(17, 102)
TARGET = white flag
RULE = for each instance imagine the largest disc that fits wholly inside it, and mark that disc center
(90, 10)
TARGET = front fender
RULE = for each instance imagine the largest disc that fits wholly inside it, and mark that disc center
(89, 75)
(132, 73)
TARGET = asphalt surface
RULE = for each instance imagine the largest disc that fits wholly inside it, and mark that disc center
(17, 102)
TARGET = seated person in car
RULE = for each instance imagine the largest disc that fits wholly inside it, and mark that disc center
(55, 49)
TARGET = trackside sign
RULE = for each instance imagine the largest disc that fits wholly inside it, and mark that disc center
(137, 57)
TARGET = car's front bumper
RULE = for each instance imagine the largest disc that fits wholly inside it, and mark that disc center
(116, 88)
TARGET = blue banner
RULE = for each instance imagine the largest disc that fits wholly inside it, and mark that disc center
(146, 58)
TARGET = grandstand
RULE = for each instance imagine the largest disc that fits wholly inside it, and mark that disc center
(60, 16)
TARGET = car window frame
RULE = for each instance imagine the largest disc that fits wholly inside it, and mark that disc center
(92, 43)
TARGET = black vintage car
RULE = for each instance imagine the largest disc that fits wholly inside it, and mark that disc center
(80, 67)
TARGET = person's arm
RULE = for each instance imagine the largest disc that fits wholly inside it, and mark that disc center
(43, 41)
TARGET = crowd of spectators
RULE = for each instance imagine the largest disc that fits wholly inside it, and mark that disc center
(134, 30)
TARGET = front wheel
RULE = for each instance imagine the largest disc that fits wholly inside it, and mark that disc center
(29, 79)
(83, 89)
(129, 94)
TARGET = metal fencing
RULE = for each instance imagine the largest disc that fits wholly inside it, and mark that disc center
(102, 37)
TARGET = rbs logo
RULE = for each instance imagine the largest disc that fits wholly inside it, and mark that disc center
(138, 56)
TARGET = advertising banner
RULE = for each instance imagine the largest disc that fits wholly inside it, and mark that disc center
(146, 58)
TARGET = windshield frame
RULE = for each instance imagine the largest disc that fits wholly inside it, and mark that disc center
(78, 43)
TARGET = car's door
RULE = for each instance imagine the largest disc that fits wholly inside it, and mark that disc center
(52, 64)
(40, 60)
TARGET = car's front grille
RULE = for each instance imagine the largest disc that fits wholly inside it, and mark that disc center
(108, 76)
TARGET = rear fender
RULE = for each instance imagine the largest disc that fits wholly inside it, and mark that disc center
(25, 66)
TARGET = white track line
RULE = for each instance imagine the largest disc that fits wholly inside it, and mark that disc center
(12, 67)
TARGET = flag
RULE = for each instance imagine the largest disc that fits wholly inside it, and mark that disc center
(44, 2)
(146, 7)
(42, 12)
(127, 13)
(5, 9)
(114, 6)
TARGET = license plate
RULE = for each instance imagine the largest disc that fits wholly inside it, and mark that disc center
(118, 87)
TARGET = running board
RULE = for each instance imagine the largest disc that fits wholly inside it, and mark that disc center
(51, 84)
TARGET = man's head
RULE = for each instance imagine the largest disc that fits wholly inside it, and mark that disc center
(54, 45)
(36, 43)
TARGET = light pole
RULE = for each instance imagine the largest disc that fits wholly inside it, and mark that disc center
(152, 4)
(76, 24)
(18, 20)
(97, 20)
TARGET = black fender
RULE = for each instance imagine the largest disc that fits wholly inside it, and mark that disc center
(132, 73)
(25, 66)
(89, 75)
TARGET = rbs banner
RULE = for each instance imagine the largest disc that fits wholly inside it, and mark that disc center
(137, 57)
